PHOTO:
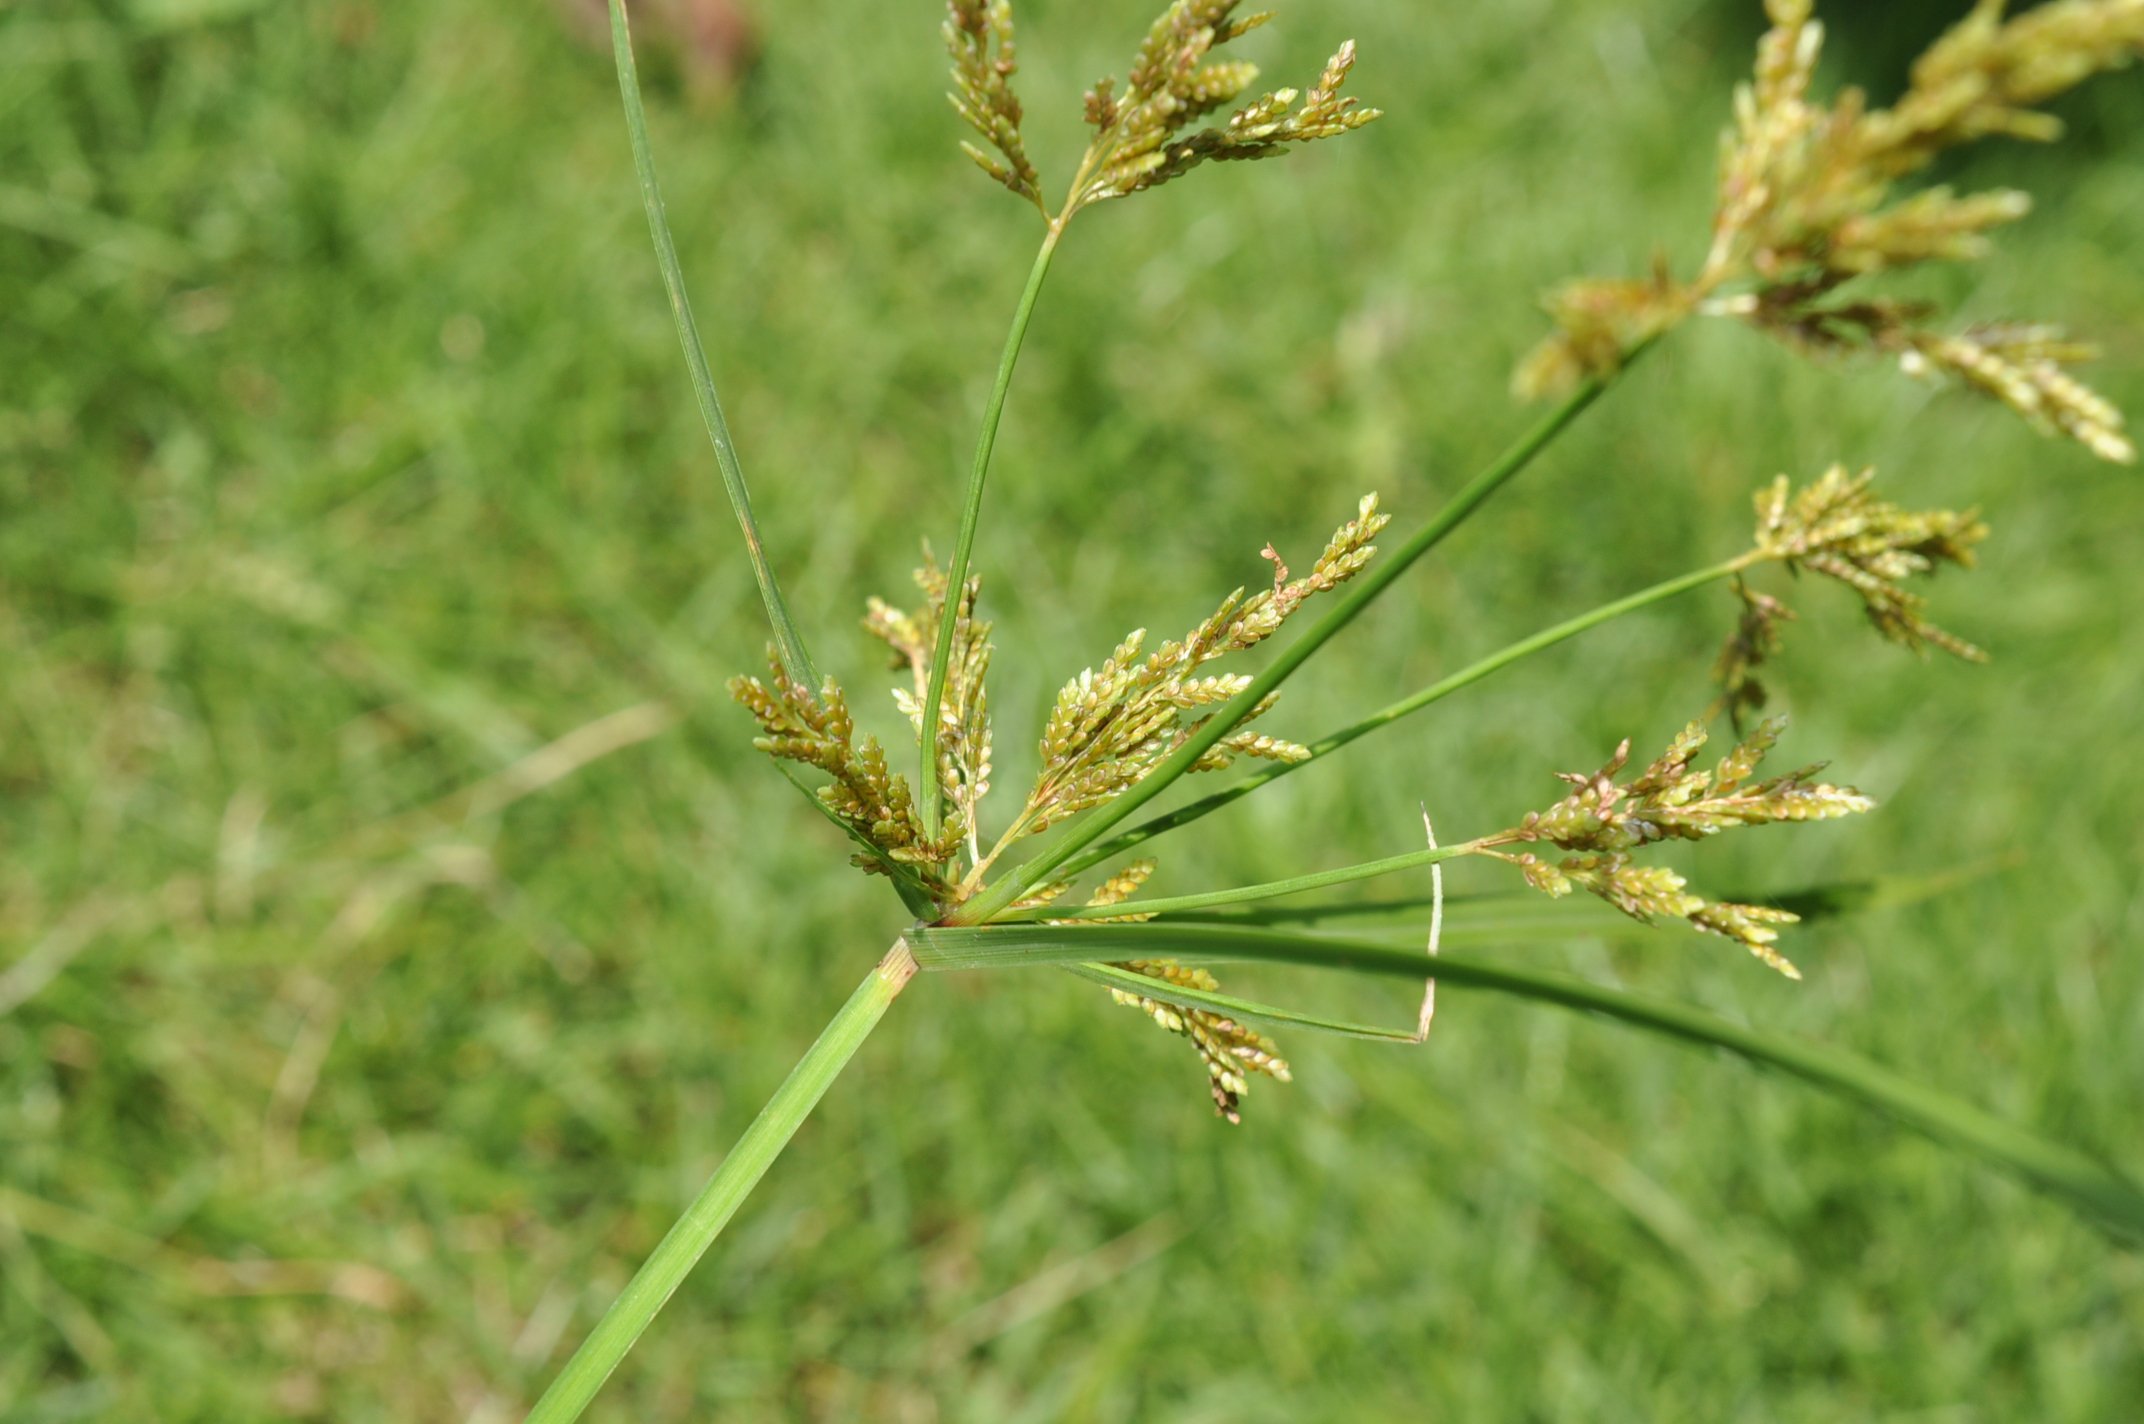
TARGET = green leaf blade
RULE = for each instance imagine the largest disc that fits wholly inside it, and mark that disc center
(2101, 1193)
(788, 639)
(1246, 1010)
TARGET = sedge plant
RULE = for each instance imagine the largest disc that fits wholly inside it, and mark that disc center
(1814, 208)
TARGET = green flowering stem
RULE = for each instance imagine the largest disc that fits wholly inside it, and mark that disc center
(674, 1257)
(2101, 1193)
(970, 518)
(1465, 677)
(1243, 894)
(1537, 919)
(1374, 580)
(788, 640)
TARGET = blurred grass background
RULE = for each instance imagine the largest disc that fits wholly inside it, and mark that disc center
(346, 461)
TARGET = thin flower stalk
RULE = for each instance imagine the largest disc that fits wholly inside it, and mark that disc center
(1834, 527)
(1139, 142)
(1604, 824)
(1462, 506)
(1466, 677)
(1271, 890)
(971, 514)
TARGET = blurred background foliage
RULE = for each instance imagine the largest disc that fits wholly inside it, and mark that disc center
(346, 461)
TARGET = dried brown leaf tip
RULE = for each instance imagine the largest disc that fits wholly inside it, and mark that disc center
(978, 35)
(1229, 1050)
(1808, 204)
(1838, 528)
(1604, 823)
(1140, 136)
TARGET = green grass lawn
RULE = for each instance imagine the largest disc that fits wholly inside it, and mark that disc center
(346, 461)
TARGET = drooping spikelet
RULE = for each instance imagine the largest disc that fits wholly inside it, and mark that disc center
(1837, 527)
(1228, 1049)
(1808, 204)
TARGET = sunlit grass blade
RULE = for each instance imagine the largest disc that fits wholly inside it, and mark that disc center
(1244, 1010)
(2105, 1195)
(971, 514)
(1512, 921)
(1374, 580)
(1829, 900)
(680, 1250)
(1270, 890)
(788, 640)
(1386, 716)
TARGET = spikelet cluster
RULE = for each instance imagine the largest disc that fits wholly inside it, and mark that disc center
(1144, 135)
(1604, 823)
(964, 746)
(1229, 1050)
(1838, 528)
(817, 730)
(2025, 366)
(1808, 204)
(1113, 725)
(978, 36)
(1140, 139)
(1119, 887)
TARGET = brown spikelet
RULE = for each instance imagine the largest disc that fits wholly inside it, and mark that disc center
(1111, 726)
(1809, 203)
(1604, 823)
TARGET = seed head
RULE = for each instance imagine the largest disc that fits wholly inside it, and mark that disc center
(1228, 1050)
(978, 36)
(1808, 203)
(1111, 726)
(1605, 823)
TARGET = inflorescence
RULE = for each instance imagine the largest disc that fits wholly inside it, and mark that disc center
(1808, 205)
(1605, 823)
(1143, 135)
(1837, 527)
